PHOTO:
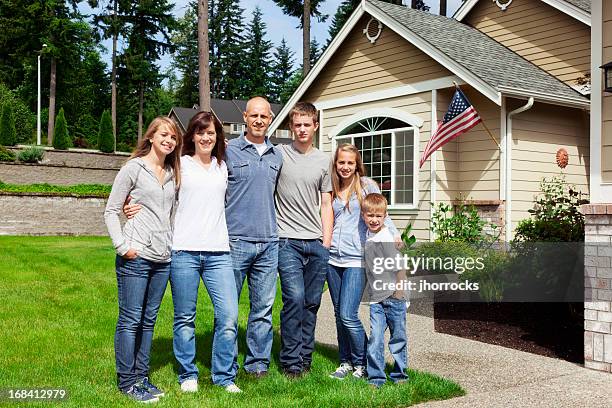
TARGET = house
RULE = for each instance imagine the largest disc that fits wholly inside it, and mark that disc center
(229, 114)
(388, 77)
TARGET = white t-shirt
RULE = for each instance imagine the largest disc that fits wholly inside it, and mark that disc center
(261, 147)
(199, 223)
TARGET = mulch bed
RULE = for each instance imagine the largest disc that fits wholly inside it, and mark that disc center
(549, 329)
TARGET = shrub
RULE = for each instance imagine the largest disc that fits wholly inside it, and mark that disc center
(8, 134)
(106, 141)
(6, 155)
(555, 216)
(463, 225)
(61, 139)
(31, 155)
(25, 119)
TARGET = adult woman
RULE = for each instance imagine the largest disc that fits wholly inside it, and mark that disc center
(200, 250)
(346, 275)
(151, 178)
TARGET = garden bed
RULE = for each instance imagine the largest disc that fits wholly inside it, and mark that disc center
(548, 329)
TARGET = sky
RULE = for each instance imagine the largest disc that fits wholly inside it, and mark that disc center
(279, 26)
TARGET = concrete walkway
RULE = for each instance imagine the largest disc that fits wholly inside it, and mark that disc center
(492, 376)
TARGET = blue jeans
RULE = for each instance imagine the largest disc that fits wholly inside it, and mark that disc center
(215, 269)
(302, 265)
(141, 285)
(388, 313)
(346, 287)
(257, 262)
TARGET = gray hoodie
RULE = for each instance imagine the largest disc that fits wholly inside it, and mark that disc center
(150, 231)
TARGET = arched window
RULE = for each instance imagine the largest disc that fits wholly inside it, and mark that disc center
(389, 148)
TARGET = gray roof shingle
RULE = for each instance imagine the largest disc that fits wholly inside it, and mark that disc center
(484, 57)
(581, 4)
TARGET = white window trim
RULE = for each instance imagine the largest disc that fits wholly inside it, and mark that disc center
(415, 162)
(413, 120)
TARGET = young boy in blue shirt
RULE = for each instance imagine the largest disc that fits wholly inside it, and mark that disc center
(385, 294)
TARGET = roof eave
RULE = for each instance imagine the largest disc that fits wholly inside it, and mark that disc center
(571, 102)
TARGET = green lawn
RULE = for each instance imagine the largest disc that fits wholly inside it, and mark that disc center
(57, 317)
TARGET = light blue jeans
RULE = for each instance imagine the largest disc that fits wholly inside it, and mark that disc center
(215, 270)
(257, 262)
(388, 313)
(346, 287)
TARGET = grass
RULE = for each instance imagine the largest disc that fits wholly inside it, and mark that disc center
(57, 318)
(78, 190)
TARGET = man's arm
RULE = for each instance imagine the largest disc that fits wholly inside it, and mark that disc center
(327, 218)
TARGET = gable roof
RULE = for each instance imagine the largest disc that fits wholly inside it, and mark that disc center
(578, 9)
(477, 59)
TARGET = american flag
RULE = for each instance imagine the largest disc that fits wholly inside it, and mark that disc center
(460, 117)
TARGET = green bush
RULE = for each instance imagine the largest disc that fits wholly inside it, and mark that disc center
(461, 225)
(8, 134)
(106, 142)
(31, 155)
(556, 215)
(25, 119)
(6, 155)
(61, 139)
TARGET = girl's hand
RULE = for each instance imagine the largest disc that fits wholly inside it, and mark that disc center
(399, 244)
(130, 210)
(130, 254)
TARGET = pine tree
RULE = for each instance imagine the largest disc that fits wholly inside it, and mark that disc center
(8, 133)
(282, 70)
(106, 142)
(257, 58)
(185, 58)
(61, 141)
(315, 51)
(231, 50)
(343, 13)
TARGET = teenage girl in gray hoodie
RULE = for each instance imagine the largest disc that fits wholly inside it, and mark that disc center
(151, 178)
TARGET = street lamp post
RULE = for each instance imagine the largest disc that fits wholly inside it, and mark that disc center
(38, 141)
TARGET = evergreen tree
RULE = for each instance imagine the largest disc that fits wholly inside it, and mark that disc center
(343, 13)
(231, 50)
(282, 71)
(185, 57)
(106, 141)
(257, 59)
(315, 51)
(290, 86)
(8, 134)
(61, 141)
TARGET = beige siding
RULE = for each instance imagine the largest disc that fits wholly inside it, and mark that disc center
(359, 66)
(537, 134)
(547, 37)
(606, 130)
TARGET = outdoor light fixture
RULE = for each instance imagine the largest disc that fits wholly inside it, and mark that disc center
(607, 76)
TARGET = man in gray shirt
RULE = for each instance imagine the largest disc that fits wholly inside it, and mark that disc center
(305, 221)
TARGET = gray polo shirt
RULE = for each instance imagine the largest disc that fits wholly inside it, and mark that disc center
(302, 179)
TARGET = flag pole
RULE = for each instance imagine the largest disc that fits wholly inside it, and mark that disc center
(483, 124)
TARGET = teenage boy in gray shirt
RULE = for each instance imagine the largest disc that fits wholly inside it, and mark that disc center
(305, 232)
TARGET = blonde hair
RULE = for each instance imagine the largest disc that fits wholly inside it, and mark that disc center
(356, 184)
(374, 202)
(173, 159)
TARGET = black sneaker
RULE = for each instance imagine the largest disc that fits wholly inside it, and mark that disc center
(152, 389)
(293, 372)
(139, 394)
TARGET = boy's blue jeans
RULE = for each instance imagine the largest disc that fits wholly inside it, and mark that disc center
(388, 313)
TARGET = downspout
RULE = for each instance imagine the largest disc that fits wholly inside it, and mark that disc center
(508, 210)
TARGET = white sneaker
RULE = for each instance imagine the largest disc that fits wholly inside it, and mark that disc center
(342, 371)
(360, 372)
(232, 388)
(189, 385)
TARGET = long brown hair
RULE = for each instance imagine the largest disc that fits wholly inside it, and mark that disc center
(198, 123)
(356, 186)
(172, 159)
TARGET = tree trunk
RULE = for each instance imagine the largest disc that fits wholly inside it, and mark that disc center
(203, 58)
(443, 8)
(52, 89)
(114, 77)
(140, 109)
(306, 38)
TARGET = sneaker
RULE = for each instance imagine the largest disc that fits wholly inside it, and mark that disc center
(152, 389)
(342, 371)
(139, 394)
(360, 372)
(233, 388)
(293, 372)
(189, 385)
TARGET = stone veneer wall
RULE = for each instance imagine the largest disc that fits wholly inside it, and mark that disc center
(65, 168)
(491, 211)
(598, 287)
(36, 214)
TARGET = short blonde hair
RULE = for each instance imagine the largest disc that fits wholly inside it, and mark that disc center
(374, 202)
